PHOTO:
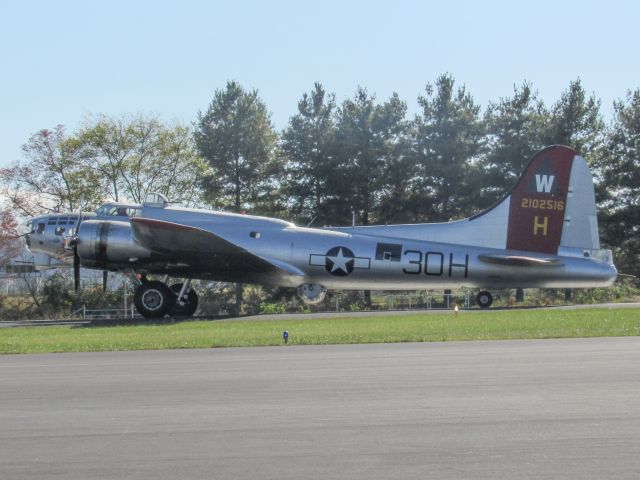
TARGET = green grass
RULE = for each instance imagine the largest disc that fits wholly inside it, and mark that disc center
(493, 325)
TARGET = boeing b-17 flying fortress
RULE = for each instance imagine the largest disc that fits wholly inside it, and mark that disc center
(544, 233)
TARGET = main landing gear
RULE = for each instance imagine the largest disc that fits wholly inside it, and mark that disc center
(484, 299)
(154, 299)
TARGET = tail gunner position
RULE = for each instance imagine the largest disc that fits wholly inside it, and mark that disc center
(544, 233)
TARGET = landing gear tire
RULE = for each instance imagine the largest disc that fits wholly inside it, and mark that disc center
(191, 305)
(484, 299)
(153, 299)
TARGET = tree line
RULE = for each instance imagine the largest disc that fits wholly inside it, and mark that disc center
(364, 159)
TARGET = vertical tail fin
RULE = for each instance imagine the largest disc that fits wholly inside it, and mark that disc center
(553, 204)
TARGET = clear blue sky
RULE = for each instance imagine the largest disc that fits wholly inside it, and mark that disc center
(63, 60)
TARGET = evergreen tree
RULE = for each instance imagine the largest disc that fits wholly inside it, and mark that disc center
(236, 137)
(575, 121)
(399, 179)
(621, 176)
(367, 136)
(449, 140)
(308, 144)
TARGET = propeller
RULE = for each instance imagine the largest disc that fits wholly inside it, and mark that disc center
(76, 269)
(76, 261)
(76, 257)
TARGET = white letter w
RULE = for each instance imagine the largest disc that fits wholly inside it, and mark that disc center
(544, 183)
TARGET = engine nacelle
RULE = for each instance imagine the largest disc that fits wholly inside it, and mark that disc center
(103, 243)
(311, 293)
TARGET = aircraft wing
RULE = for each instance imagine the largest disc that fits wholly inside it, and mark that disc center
(202, 249)
(520, 261)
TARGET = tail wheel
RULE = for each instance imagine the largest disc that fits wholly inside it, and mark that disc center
(484, 299)
(153, 299)
(191, 305)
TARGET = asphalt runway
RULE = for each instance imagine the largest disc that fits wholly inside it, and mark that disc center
(484, 410)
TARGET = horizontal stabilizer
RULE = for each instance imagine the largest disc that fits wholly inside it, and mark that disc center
(520, 261)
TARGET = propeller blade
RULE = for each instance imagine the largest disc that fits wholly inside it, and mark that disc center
(76, 269)
(104, 280)
(76, 257)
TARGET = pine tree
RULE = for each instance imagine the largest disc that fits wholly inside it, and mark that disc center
(367, 136)
(308, 144)
(575, 121)
(236, 137)
(449, 137)
(620, 224)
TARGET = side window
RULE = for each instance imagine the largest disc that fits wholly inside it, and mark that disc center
(41, 227)
(59, 231)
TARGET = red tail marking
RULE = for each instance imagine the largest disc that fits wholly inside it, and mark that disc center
(538, 202)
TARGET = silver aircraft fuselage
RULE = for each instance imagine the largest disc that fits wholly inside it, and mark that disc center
(334, 258)
(342, 259)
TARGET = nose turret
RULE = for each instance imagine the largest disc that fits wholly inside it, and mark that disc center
(46, 233)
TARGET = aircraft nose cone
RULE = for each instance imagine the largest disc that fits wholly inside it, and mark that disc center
(25, 230)
(34, 234)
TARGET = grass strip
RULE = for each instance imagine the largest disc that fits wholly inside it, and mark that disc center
(494, 325)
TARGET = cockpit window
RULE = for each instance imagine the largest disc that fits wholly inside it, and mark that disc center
(41, 227)
(118, 211)
(59, 231)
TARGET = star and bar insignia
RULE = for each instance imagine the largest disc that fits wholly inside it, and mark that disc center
(339, 261)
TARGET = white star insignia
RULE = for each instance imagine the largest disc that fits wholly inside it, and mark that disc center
(340, 262)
